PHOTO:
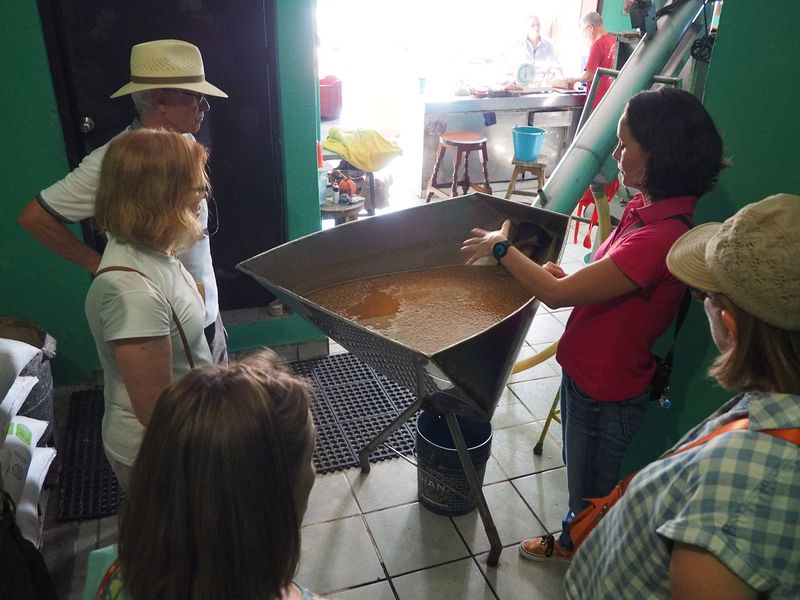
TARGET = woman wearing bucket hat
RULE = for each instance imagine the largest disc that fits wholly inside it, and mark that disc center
(169, 90)
(722, 519)
(670, 149)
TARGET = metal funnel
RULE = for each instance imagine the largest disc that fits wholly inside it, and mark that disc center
(472, 372)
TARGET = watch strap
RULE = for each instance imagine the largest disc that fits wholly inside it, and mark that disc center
(500, 249)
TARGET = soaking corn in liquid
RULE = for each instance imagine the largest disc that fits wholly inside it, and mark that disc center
(429, 309)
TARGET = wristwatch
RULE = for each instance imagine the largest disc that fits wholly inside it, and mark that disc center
(500, 249)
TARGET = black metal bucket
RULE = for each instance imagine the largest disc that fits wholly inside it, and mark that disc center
(442, 485)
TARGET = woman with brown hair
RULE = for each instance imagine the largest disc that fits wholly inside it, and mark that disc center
(144, 309)
(668, 148)
(218, 492)
(721, 519)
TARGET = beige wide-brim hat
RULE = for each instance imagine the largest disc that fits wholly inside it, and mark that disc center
(167, 64)
(753, 258)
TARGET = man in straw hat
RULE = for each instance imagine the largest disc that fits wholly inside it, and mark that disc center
(721, 518)
(169, 90)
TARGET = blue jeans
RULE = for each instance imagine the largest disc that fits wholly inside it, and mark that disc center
(595, 435)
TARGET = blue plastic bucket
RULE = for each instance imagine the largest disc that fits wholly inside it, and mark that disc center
(527, 142)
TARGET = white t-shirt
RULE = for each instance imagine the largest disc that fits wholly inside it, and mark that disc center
(123, 305)
(72, 199)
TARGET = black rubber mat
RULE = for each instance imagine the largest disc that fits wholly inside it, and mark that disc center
(87, 487)
(352, 405)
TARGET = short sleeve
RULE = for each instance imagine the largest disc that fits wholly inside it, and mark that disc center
(744, 513)
(131, 308)
(595, 57)
(72, 198)
(642, 254)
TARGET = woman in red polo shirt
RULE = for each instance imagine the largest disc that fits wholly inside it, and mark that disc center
(669, 149)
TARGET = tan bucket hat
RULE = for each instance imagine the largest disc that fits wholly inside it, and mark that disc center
(753, 258)
(167, 64)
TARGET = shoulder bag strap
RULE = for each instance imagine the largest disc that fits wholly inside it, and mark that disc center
(790, 435)
(585, 521)
(685, 301)
(174, 315)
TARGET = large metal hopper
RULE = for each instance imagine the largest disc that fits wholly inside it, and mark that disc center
(473, 371)
(464, 379)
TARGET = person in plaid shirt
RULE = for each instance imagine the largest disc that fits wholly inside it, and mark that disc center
(721, 520)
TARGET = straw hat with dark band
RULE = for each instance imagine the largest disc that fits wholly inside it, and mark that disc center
(753, 258)
(167, 64)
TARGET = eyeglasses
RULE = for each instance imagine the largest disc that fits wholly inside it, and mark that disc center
(699, 295)
(204, 190)
(199, 99)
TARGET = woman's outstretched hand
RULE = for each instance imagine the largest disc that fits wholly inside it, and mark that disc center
(483, 242)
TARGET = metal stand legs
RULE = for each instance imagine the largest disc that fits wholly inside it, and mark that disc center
(475, 488)
(463, 455)
(363, 456)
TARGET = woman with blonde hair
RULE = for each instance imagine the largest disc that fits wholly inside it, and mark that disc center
(218, 492)
(145, 311)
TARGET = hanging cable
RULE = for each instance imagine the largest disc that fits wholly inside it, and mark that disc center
(702, 47)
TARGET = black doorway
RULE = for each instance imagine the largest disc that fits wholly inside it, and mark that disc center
(88, 44)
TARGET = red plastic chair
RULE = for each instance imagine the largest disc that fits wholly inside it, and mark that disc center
(585, 202)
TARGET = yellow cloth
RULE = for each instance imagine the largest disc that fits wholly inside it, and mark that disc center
(366, 149)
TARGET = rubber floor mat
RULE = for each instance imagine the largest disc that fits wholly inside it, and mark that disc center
(352, 404)
(87, 487)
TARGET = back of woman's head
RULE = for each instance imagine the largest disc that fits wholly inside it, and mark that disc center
(764, 357)
(151, 182)
(213, 509)
(682, 144)
(748, 267)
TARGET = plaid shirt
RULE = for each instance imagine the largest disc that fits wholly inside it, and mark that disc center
(737, 496)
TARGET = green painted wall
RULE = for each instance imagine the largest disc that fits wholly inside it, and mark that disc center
(613, 18)
(35, 285)
(752, 95)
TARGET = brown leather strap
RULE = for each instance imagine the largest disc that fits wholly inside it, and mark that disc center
(174, 315)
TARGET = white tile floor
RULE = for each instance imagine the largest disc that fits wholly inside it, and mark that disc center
(367, 536)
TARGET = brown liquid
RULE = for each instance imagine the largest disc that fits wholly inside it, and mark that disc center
(427, 310)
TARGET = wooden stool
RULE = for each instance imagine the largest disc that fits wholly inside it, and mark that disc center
(520, 168)
(463, 142)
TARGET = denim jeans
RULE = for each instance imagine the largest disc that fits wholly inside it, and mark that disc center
(595, 435)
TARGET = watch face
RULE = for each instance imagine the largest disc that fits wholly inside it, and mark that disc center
(500, 249)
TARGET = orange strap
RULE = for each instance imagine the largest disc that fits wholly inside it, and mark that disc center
(184, 341)
(586, 520)
(790, 435)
